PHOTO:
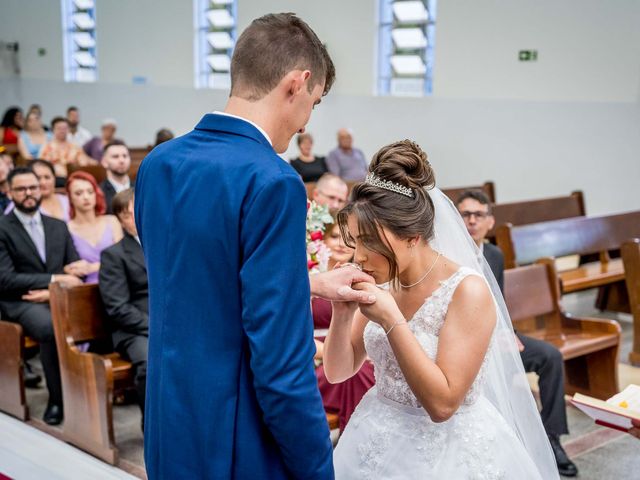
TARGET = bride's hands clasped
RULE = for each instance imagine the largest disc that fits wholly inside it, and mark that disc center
(384, 311)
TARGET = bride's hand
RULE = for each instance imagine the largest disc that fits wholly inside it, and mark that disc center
(384, 311)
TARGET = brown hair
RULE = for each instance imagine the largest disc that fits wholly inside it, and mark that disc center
(304, 136)
(272, 46)
(114, 143)
(121, 200)
(404, 163)
(477, 195)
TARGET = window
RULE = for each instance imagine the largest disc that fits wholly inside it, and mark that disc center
(215, 25)
(79, 40)
(405, 47)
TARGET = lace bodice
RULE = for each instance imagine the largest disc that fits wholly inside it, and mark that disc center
(425, 325)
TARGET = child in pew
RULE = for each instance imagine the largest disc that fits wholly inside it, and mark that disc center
(342, 398)
(537, 356)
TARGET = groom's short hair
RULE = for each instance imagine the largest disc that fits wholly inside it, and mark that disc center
(272, 46)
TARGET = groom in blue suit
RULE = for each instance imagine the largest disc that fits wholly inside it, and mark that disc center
(228, 284)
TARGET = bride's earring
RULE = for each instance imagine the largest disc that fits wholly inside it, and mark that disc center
(411, 248)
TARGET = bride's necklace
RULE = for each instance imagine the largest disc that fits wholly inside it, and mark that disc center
(425, 275)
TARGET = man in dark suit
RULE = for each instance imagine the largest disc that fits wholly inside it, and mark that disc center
(124, 290)
(116, 161)
(537, 355)
(35, 250)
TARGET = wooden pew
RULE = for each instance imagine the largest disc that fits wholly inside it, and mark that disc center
(12, 394)
(540, 210)
(589, 346)
(575, 236)
(137, 155)
(631, 259)
(88, 379)
(98, 171)
(488, 188)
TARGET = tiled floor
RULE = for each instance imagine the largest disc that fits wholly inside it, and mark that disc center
(599, 453)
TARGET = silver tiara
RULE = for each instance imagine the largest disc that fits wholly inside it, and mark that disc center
(375, 181)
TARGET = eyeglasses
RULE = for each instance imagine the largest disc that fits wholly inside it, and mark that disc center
(33, 188)
(479, 215)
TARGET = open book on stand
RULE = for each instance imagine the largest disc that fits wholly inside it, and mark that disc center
(617, 412)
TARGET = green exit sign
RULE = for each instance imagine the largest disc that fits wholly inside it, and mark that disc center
(528, 55)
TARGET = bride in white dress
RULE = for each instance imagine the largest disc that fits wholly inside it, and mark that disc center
(451, 398)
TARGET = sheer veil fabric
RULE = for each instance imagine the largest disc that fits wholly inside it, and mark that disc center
(505, 385)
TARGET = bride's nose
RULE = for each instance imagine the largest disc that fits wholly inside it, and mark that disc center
(359, 256)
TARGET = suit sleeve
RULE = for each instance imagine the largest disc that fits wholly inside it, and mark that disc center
(499, 273)
(276, 318)
(116, 296)
(12, 282)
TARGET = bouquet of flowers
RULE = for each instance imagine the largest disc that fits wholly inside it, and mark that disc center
(317, 252)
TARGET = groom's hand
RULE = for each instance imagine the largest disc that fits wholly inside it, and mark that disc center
(336, 285)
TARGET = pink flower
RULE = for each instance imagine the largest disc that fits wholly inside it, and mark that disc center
(317, 235)
(311, 264)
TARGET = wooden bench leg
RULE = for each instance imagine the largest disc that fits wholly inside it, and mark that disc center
(12, 395)
(594, 374)
(87, 386)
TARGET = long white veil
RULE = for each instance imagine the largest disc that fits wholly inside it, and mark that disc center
(506, 386)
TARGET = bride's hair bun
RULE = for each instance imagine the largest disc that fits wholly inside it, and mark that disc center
(404, 162)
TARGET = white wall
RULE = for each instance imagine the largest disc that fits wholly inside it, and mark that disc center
(588, 50)
(569, 121)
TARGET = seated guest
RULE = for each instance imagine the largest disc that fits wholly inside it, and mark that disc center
(124, 291)
(537, 355)
(34, 136)
(309, 166)
(52, 204)
(78, 135)
(341, 398)
(11, 125)
(90, 229)
(330, 191)
(61, 152)
(116, 161)
(4, 185)
(34, 251)
(163, 135)
(6, 157)
(347, 162)
(95, 147)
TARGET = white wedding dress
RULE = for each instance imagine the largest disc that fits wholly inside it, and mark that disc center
(390, 436)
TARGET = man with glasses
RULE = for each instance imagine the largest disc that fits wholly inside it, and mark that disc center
(537, 355)
(35, 250)
(331, 191)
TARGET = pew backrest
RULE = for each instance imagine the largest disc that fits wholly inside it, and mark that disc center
(454, 192)
(525, 244)
(540, 210)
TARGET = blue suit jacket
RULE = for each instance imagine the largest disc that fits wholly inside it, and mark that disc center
(231, 390)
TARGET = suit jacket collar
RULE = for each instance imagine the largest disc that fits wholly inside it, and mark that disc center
(133, 250)
(233, 125)
(13, 218)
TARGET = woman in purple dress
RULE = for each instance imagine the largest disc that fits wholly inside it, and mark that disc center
(90, 229)
(341, 398)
